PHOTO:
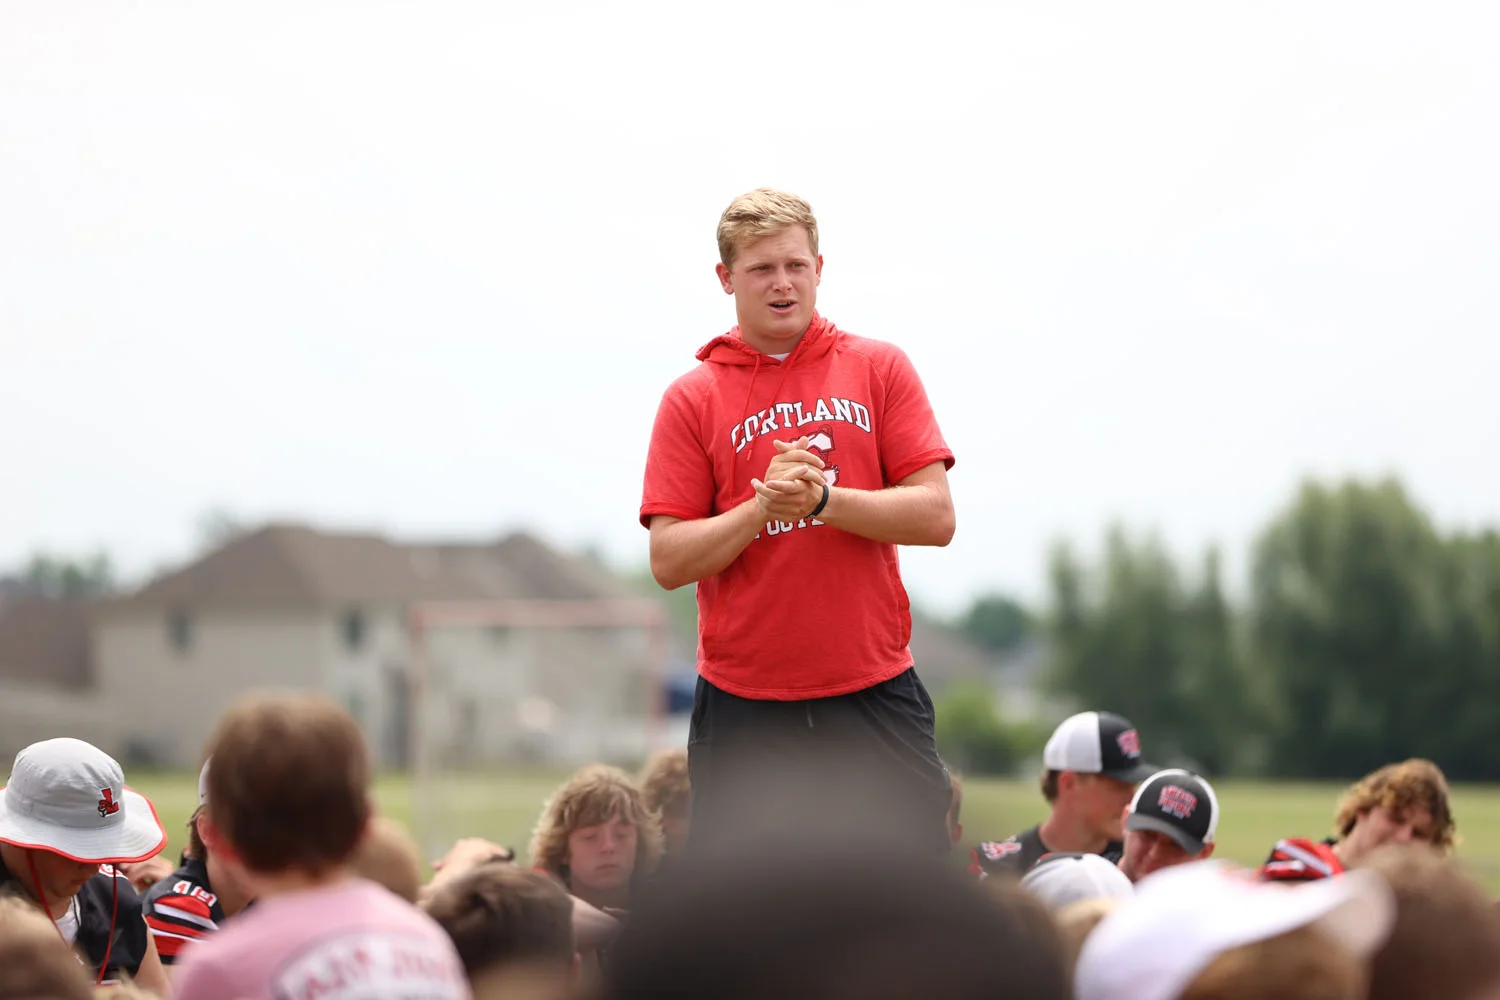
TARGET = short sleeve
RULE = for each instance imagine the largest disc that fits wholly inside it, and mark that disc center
(679, 479)
(909, 438)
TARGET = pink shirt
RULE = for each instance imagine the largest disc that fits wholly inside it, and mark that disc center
(351, 941)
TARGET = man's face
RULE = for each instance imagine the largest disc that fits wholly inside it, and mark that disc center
(602, 856)
(1383, 825)
(774, 282)
(1102, 802)
(60, 877)
(1147, 851)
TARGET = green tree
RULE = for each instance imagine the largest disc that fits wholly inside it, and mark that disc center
(66, 577)
(973, 738)
(995, 622)
(1130, 636)
(1371, 629)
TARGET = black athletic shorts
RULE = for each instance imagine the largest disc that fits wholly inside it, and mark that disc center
(864, 762)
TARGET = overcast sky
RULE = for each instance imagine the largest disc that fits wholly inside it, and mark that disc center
(427, 267)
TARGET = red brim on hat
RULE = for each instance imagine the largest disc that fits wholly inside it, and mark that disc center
(140, 838)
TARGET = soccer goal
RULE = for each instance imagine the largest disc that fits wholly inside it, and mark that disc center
(508, 696)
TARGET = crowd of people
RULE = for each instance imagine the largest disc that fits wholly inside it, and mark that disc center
(292, 886)
(806, 845)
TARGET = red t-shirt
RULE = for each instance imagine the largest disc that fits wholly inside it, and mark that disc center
(806, 610)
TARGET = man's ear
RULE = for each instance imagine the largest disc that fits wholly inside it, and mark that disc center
(1208, 851)
(726, 278)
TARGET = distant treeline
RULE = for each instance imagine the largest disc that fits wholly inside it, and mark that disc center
(1367, 636)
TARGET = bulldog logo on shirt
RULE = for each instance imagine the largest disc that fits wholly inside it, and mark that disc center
(820, 443)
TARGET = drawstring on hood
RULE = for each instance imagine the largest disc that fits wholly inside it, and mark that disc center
(730, 349)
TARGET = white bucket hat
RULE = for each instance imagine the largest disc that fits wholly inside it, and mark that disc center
(69, 797)
(1153, 945)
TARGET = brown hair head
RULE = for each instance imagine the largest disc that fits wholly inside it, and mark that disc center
(1399, 787)
(34, 962)
(1446, 941)
(664, 783)
(499, 914)
(290, 782)
(594, 795)
(761, 213)
(1303, 964)
(1049, 782)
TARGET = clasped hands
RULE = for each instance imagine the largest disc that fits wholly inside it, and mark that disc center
(793, 486)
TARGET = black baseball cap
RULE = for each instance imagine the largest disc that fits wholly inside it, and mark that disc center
(1179, 804)
(1097, 743)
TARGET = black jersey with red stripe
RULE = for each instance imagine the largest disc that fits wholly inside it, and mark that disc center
(182, 908)
(1016, 855)
(1297, 859)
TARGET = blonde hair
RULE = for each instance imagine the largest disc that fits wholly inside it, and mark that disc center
(1303, 964)
(761, 213)
(1400, 787)
(596, 794)
(35, 960)
(1077, 921)
(665, 785)
(388, 856)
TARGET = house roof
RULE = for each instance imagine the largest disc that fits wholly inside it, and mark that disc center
(47, 640)
(943, 656)
(291, 565)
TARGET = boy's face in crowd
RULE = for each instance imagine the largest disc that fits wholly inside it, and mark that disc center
(602, 856)
(1147, 851)
(1103, 801)
(1382, 826)
(774, 282)
(61, 878)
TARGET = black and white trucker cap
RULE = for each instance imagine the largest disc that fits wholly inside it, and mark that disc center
(1097, 743)
(1179, 804)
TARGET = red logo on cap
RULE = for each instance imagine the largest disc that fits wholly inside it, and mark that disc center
(107, 805)
(1177, 802)
(1130, 743)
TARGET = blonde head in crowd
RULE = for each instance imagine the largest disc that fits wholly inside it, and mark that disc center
(761, 213)
(34, 962)
(1410, 786)
(388, 856)
(667, 791)
(1303, 964)
(1077, 921)
(594, 795)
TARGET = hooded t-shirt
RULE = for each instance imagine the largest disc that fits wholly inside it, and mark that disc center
(806, 610)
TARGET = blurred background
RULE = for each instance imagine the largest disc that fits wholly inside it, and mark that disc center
(317, 315)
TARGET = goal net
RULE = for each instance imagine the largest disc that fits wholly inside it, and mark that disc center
(508, 697)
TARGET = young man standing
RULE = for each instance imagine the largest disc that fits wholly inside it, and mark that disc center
(1091, 763)
(289, 790)
(783, 473)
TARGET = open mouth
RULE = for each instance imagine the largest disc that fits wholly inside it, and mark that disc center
(784, 306)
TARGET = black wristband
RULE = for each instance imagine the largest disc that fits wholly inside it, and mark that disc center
(821, 503)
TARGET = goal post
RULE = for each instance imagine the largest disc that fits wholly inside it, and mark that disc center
(427, 620)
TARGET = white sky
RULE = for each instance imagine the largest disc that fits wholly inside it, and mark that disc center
(427, 267)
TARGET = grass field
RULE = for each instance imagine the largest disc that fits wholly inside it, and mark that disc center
(503, 808)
